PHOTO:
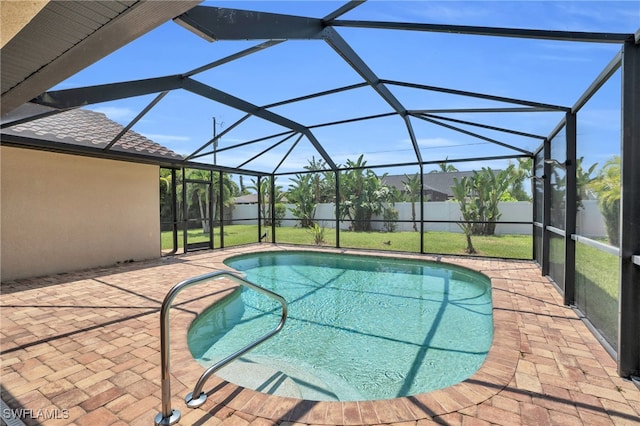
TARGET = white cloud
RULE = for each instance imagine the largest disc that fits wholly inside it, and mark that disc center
(435, 142)
(118, 114)
(166, 138)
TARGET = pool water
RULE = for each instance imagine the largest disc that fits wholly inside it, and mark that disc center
(359, 327)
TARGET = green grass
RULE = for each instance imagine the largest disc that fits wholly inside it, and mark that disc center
(507, 246)
(596, 284)
(597, 275)
(600, 267)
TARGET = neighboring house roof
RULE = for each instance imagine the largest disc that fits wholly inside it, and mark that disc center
(84, 128)
(436, 182)
(247, 199)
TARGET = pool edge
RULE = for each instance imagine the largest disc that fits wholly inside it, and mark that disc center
(497, 371)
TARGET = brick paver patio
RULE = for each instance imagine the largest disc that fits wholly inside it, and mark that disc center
(83, 348)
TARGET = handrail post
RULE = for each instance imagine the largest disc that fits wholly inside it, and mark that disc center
(168, 416)
(198, 397)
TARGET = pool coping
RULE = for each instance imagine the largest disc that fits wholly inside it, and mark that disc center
(492, 377)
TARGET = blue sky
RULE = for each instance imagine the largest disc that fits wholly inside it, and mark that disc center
(536, 70)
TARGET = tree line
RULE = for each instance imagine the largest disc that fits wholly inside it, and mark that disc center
(363, 194)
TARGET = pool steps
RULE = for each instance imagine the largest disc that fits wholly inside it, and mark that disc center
(168, 416)
(282, 378)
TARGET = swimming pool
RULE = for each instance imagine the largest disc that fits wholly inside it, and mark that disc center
(359, 327)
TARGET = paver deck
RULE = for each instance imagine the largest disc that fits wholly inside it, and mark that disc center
(83, 348)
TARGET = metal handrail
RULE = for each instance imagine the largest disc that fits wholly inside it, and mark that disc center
(168, 416)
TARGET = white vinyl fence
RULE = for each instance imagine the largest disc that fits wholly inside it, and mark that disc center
(590, 221)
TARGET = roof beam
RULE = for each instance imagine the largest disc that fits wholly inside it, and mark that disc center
(478, 95)
(242, 105)
(293, 145)
(613, 66)
(593, 37)
(351, 57)
(217, 137)
(233, 57)
(133, 122)
(486, 126)
(342, 10)
(139, 19)
(264, 151)
(238, 145)
(352, 120)
(316, 95)
(49, 112)
(217, 23)
(475, 135)
(71, 98)
(474, 110)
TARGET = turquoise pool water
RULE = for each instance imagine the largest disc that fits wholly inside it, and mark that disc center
(359, 327)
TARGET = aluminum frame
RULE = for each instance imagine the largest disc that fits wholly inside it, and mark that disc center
(629, 293)
(217, 23)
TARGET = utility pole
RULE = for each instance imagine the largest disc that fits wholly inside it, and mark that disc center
(215, 142)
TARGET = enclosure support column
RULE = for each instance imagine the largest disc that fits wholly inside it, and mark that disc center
(272, 205)
(184, 210)
(221, 204)
(629, 294)
(337, 203)
(259, 186)
(570, 211)
(174, 201)
(421, 209)
(212, 213)
(546, 207)
(533, 209)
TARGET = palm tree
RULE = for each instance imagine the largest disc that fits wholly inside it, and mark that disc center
(362, 194)
(303, 195)
(583, 180)
(412, 186)
(464, 192)
(197, 194)
(200, 196)
(264, 192)
(230, 190)
(607, 186)
(517, 176)
(445, 167)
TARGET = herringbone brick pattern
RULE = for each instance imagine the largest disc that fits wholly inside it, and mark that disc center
(84, 348)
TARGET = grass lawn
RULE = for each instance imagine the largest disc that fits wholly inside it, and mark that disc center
(507, 246)
(597, 275)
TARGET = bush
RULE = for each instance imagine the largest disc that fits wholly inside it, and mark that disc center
(390, 217)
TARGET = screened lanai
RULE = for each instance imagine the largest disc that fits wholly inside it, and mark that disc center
(346, 94)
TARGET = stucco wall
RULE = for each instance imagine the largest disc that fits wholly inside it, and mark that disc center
(61, 213)
(15, 15)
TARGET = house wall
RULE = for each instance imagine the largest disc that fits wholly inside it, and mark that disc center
(15, 15)
(61, 213)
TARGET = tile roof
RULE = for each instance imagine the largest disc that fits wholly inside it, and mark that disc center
(438, 182)
(247, 199)
(87, 128)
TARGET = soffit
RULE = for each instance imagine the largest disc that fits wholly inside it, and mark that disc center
(67, 36)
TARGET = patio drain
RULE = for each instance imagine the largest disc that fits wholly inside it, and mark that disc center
(9, 416)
